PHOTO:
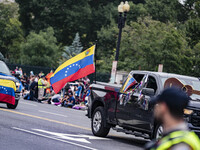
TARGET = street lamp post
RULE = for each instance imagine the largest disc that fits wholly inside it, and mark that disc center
(123, 8)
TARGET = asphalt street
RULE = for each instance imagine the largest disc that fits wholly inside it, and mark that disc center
(36, 126)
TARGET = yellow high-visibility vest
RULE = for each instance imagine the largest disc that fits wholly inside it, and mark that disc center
(187, 137)
(40, 85)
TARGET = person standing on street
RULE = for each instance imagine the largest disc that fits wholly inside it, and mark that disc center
(41, 88)
(79, 91)
(32, 87)
(168, 110)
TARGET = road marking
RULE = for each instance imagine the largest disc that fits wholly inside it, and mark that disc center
(46, 119)
(28, 103)
(50, 120)
(72, 143)
(52, 113)
(63, 135)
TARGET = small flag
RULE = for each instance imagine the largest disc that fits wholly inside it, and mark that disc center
(129, 82)
(7, 91)
(75, 68)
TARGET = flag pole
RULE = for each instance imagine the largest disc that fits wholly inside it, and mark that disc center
(95, 57)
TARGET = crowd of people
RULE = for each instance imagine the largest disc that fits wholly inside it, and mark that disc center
(38, 88)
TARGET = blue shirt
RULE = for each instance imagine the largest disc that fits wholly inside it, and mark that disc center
(88, 93)
(78, 92)
(72, 100)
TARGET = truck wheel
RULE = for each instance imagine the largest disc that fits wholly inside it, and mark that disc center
(98, 119)
(158, 132)
(10, 106)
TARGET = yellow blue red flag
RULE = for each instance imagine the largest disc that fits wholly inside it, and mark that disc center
(129, 82)
(75, 68)
(7, 91)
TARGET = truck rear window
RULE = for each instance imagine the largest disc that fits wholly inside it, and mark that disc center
(4, 69)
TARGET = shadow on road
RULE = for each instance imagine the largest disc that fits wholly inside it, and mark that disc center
(140, 142)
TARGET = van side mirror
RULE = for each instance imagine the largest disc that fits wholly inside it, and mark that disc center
(148, 91)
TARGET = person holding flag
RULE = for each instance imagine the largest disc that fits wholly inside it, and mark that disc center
(75, 68)
(48, 76)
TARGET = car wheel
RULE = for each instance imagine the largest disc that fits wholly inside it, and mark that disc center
(158, 132)
(10, 106)
(98, 126)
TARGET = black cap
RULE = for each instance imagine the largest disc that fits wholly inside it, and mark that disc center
(176, 99)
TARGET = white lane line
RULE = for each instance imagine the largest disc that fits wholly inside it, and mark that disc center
(72, 143)
(27, 103)
(52, 113)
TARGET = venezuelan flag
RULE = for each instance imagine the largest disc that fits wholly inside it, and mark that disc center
(20, 87)
(75, 68)
(129, 82)
(7, 91)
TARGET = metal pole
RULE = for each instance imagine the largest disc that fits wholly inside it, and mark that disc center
(120, 26)
(114, 66)
(95, 61)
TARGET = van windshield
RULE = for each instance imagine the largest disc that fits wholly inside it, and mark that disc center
(4, 69)
(194, 82)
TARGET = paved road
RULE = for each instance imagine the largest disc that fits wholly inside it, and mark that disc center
(35, 126)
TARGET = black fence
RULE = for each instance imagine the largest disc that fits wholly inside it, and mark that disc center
(26, 68)
(100, 76)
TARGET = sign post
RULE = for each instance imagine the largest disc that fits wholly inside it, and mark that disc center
(114, 71)
(160, 68)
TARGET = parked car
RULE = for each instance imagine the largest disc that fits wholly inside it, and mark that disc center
(6, 76)
(130, 112)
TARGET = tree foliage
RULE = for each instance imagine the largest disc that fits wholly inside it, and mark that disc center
(196, 60)
(153, 43)
(41, 49)
(156, 31)
(66, 17)
(72, 50)
(11, 34)
(166, 10)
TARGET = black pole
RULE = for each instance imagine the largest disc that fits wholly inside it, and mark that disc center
(95, 61)
(120, 26)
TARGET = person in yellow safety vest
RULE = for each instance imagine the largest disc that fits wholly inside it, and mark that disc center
(41, 88)
(169, 110)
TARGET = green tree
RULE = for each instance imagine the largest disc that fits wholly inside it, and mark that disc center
(10, 31)
(66, 17)
(41, 49)
(196, 60)
(136, 11)
(107, 37)
(158, 31)
(148, 43)
(192, 8)
(13, 36)
(73, 50)
(193, 31)
(166, 10)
